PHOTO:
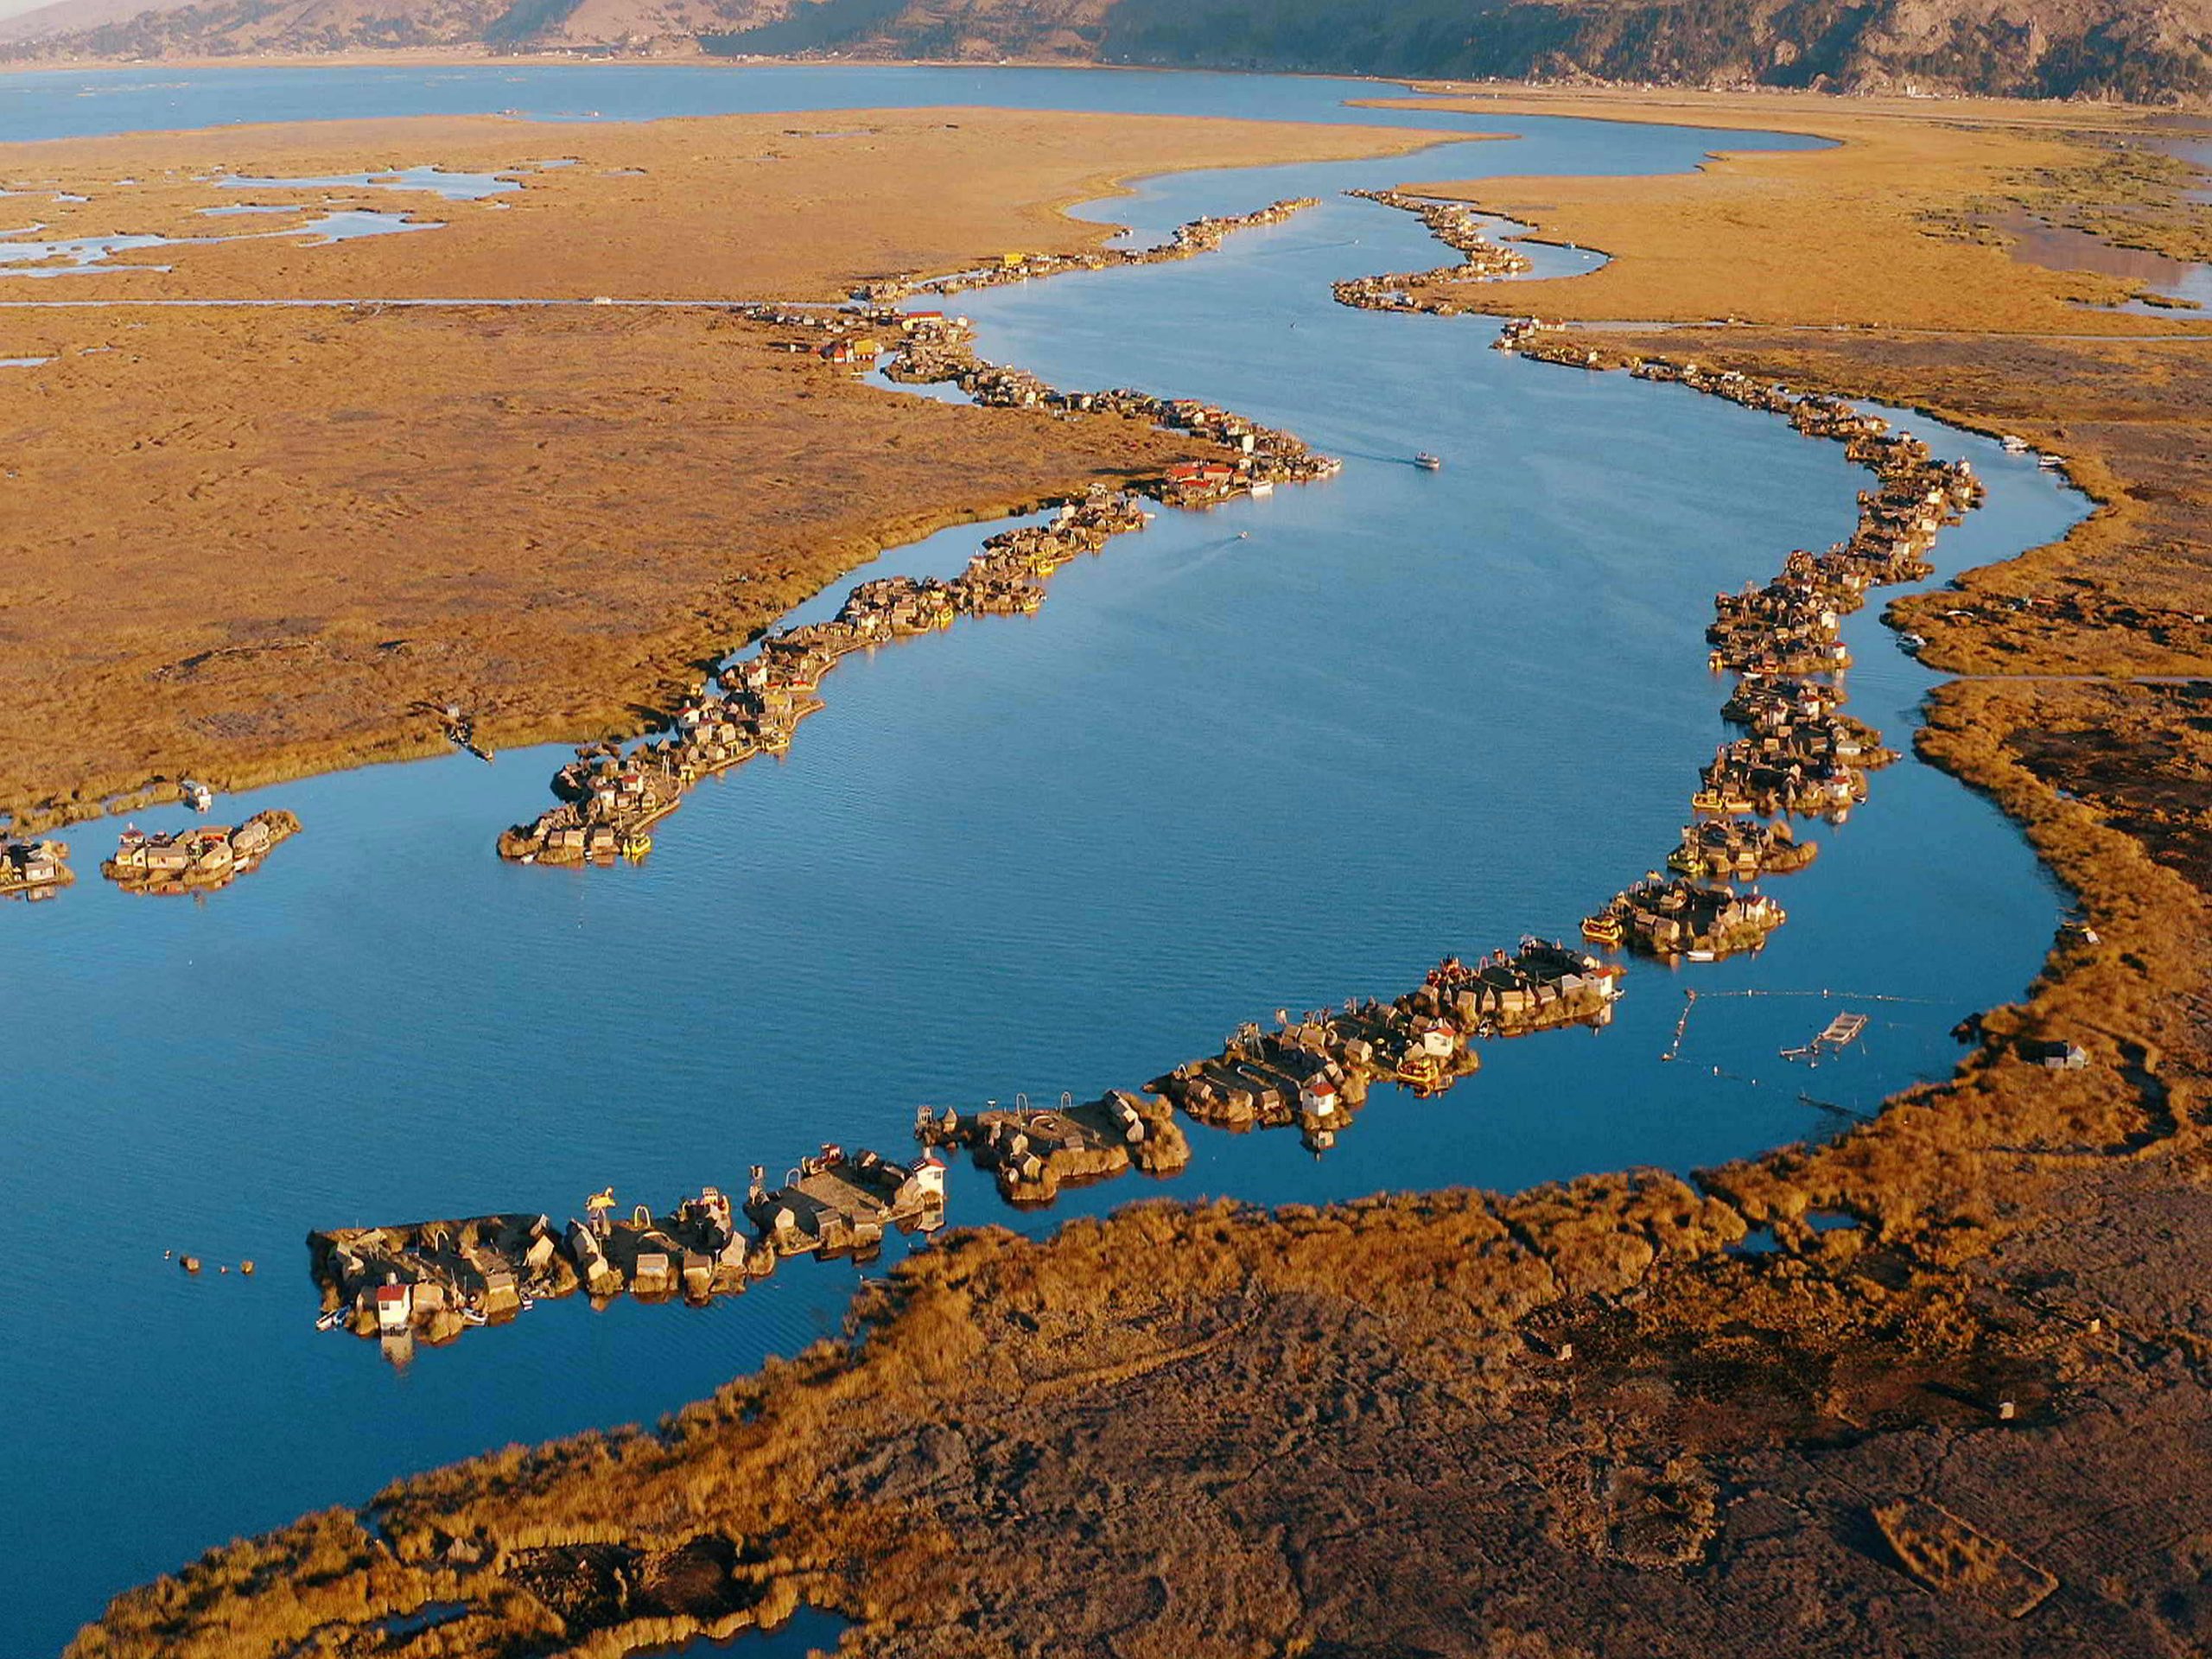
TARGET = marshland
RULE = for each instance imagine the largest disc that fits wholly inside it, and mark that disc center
(1285, 752)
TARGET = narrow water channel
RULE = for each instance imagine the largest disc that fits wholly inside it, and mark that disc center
(1276, 755)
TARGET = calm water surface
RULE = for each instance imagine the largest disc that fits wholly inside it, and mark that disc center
(1280, 754)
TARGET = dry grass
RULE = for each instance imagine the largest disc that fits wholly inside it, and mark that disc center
(246, 543)
(294, 528)
(1874, 233)
(739, 207)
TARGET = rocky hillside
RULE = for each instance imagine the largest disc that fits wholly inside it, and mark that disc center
(2142, 49)
(2147, 50)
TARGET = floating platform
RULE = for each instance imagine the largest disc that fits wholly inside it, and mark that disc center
(34, 869)
(1738, 848)
(1034, 1151)
(433, 1280)
(1835, 1037)
(834, 1204)
(1680, 920)
(201, 858)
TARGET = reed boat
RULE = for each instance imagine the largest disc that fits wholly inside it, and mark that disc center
(1602, 928)
(1714, 800)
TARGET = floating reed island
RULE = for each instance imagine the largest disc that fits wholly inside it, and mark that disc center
(1311, 1073)
(1682, 918)
(1034, 1151)
(1782, 639)
(1188, 240)
(1743, 777)
(1741, 848)
(435, 1279)
(1457, 226)
(1801, 754)
(611, 796)
(1256, 458)
(1314, 1072)
(198, 860)
(34, 869)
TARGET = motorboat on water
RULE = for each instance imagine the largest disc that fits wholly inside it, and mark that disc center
(1428, 463)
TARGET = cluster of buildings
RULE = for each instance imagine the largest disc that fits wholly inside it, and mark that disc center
(1726, 849)
(1314, 1072)
(1783, 640)
(1253, 458)
(1033, 1150)
(1685, 918)
(1195, 237)
(611, 796)
(433, 1280)
(1456, 225)
(33, 869)
(206, 855)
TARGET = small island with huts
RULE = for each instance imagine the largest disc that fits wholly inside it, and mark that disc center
(33, 869)
(197, 860)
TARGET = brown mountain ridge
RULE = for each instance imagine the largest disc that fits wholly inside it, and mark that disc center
(2149, 51)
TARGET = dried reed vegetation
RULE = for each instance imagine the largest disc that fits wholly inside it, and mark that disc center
(247, 545)
(1874, 233)
(1572, 1420)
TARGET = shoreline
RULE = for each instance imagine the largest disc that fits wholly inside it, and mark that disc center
(2187, 119)
(1569, 1286)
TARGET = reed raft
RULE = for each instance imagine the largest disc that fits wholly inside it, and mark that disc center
(33, 869)
(197, 860)
(1187, 241)
(1460, 227)
(433, 1280)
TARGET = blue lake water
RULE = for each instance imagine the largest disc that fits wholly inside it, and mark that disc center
(1277, 755)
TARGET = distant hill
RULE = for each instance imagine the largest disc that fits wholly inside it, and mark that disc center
(2145, 50)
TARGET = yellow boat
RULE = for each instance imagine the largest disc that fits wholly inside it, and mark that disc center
(636, 847)
(1602, 930)
(1424, 1074)
(1712, 800)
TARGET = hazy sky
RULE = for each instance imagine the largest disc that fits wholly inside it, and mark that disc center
(11, 7)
